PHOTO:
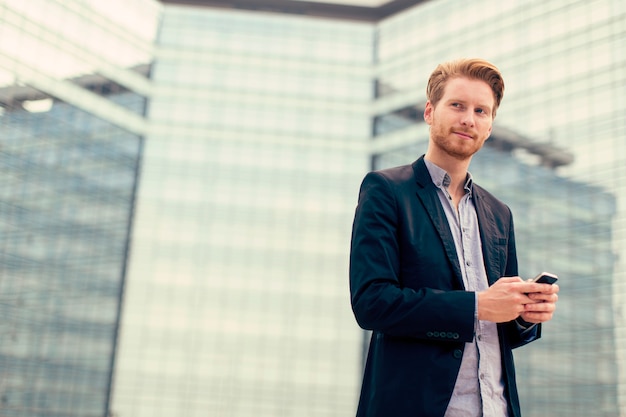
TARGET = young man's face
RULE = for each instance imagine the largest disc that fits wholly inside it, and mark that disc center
(461, 121)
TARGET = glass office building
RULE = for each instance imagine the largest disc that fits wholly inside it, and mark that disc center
(218, 223)
(71, 128)
(236, 302)
(564, 64)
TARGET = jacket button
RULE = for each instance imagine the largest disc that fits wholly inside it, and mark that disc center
(458, 353)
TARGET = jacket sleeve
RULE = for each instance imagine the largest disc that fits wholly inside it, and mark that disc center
(380, 301)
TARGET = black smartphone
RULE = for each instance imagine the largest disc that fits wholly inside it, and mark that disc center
(545, 278)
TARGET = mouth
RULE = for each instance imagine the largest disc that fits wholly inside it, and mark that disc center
(464, 135)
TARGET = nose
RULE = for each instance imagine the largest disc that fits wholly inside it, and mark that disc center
(467, 119)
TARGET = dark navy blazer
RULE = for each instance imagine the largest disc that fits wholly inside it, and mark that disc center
(406, 286)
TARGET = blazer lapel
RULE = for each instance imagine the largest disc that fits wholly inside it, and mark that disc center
(488, 235)
(427, 194)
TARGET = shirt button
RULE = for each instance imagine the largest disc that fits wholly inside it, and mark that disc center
(479, 337)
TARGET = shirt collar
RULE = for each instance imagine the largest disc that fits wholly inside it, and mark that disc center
(441, 178)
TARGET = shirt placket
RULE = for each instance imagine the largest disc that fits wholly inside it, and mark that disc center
(464, 227)
(474, 283)
(486, 334)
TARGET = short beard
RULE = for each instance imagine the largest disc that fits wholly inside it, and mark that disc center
(460, 153)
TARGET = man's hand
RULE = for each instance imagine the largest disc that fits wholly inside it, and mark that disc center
(542, 309)
(511, 297)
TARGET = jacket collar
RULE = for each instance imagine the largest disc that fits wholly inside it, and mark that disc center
(427, 194)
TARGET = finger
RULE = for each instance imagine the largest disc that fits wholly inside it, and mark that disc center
(527, 299)
(548, 289)
(533, 287)
(529, 287)
(543, 297)
(540, 307)
(533, 317)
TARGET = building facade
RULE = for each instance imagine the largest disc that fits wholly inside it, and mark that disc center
(236, 302)
(71, 134)
(266, 124)
(176, 216)
(564, 66)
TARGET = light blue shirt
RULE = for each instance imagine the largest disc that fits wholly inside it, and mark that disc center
(479, 389)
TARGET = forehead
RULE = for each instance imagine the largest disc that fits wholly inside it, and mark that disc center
(470, 90)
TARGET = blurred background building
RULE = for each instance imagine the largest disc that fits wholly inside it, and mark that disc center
(73, 94)
(179, 179)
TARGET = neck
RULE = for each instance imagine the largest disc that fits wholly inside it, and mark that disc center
(456, 168)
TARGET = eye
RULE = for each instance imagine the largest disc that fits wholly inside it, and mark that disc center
(481, 111)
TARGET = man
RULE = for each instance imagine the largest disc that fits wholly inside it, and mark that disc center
(433, 269)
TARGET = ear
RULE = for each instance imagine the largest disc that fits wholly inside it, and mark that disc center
(428, 113)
